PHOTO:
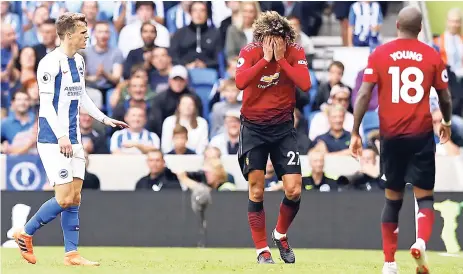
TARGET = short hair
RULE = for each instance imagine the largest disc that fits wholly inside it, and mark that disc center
(270, 23)
(334, 108)
(83, 3)
(179, 129)
(67, 23)
(135, 68)
(148, 24)
(338, 64)
(209, 147)
(101, 23)
(139, 4)
(155, 151)
(49, 21)
(226, 84)
(20, 91)
(190, 8)
(135, 107)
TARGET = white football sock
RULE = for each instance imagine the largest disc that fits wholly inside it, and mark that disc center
(258, 251)
(278, 235)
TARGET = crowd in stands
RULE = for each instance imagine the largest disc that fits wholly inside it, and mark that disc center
(167, 68)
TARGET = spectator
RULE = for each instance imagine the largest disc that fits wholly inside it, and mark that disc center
(21, 118)
(228, 141)
(302, 39)
(10, 18)
(137, 91)
(368, 177)
(160, 176)
(197, 45)
(130, 36)
(335, 73)
(341, 9)
(178, 16)
(142, 55)
(121, 92)
(91, 10)
(126, 12)
(337, 139)
(27, 62)
(230, 92)
(234, 9)
(319, 124)
(373, 105)
(49, 38)
(215, 96)
(214, 176)
(365, 20)
(179, 139)
(24, 142)
(91, 181)
(9, 55)
(186, 115)
(159, 73)
(302, 132)
(165, 103)
(93, 141)
(450, 42)
(105, 69)
(317, 179)
(135, 139)
(31, 36)
(271, 179)
(214, 153)
(32, 88)
(240, 33)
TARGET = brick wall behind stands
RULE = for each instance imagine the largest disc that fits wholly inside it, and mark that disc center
(325, 220)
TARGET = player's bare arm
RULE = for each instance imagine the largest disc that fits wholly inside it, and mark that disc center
(445, 104)
(360, 108)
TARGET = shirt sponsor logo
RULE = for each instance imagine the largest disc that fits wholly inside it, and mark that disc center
(270, 78)
(407, 54)
(73, 90)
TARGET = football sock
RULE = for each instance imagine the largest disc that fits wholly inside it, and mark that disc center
(256, 219)
(390, 228)
(288, 210)
(425, 217)
(70, 226)
(46, 213)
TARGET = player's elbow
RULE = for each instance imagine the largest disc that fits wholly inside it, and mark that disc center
(240, 84)
(305, 86)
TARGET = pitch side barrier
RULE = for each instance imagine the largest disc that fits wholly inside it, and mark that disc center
(121, 172)
(348, 220)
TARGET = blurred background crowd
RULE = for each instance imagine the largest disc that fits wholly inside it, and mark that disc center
(167, 68)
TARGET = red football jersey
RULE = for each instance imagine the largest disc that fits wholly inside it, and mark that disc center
(269, 87)
(405, 70)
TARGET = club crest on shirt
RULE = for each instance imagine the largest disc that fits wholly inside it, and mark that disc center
(46, 78)
(63, 174)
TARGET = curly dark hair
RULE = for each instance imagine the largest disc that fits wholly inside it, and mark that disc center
(270, 23)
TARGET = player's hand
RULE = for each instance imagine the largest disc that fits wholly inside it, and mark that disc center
(267, 46)
(65, 146)
(279, 48)
(114, 123)
(444, 133)
(355, 146)
(129, 144)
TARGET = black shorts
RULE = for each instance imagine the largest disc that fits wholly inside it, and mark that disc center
(409, 160)
(257, 142)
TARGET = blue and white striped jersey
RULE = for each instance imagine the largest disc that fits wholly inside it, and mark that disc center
(61, 82)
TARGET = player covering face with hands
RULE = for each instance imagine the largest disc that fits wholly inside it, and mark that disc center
(60, 76)
(269, 70)
(405, 70)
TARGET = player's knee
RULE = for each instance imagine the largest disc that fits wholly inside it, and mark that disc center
(256, 193)
(66, 201)
(77, 199)
(293, 192)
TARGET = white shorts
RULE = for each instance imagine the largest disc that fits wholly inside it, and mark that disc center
(61, 170)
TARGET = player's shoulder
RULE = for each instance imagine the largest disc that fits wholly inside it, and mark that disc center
(251, 47)
(295, 47)
(50, 61)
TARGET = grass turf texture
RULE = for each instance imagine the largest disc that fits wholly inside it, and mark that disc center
(115, 260)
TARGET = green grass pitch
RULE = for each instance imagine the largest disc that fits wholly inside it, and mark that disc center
(115, 260)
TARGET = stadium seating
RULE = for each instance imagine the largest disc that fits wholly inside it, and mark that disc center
(202, 80)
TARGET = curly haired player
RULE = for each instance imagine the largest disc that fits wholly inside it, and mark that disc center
(269, 70)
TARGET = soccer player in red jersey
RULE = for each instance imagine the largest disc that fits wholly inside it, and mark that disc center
(405, 70)
(268, 71)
